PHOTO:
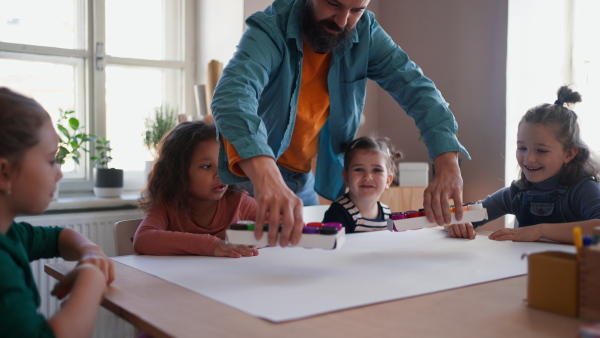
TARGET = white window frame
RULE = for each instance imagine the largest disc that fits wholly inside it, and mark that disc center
(90, 81)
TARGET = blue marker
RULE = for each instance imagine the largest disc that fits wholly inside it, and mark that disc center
(587, 240)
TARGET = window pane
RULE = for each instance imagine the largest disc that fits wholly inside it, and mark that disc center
(587, 69)
(55, 23)
(144, 29)
(132, 93)
(53, 85)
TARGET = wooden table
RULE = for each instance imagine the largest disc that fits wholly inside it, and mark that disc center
(494, 309)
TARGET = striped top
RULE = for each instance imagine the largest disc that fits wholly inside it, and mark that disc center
(344, 211)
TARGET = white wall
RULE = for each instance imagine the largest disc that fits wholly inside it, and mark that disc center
(219, 28)
(252, 6)
(461, 46)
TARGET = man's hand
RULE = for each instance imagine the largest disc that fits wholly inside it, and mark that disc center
(277, 204)
(447, 184)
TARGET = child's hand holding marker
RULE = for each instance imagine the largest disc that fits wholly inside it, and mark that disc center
(412, 220)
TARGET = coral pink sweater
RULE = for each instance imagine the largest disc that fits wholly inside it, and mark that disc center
(166, 231)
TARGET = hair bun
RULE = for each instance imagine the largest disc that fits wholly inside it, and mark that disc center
(566, 95)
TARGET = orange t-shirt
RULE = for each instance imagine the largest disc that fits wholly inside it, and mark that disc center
(311, 115)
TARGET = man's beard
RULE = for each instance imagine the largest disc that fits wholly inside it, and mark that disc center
(319, 39)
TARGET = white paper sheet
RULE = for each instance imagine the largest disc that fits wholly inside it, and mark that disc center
(284, 284)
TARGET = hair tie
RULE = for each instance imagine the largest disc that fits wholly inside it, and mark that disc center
(558, 102)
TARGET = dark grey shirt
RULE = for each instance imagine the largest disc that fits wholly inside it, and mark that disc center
(582, 201)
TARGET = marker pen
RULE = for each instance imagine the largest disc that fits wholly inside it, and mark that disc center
(328, 231)
(412, 214)
(310, 230)
(238, 226)
(587, 240)
(397, 216)
(266, 227)
(336, 225)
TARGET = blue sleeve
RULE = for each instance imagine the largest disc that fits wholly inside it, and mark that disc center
(585, 198)
(337, 213)
(236, 98)
(392, 69)
(500, 203)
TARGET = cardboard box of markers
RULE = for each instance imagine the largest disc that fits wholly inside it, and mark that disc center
(313, 236)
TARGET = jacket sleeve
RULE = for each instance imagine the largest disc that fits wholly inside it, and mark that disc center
(236, 97)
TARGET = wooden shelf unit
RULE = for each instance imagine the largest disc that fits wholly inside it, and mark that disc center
(398, 198)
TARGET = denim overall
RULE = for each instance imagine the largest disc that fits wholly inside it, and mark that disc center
(536, 209)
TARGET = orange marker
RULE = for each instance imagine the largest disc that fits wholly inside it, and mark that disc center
(577, 240)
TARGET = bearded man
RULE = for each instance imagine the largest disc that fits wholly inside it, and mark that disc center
(296, 88)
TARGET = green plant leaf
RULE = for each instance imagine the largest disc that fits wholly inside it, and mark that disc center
(163, 120)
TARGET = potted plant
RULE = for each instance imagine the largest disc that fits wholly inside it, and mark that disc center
(71, 140)
(164, 119)
(108, 182)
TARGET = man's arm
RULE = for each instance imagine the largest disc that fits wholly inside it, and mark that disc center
(447, 184)
(392, 69)
(277, 204)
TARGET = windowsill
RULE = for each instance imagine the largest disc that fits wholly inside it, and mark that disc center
(86, 202)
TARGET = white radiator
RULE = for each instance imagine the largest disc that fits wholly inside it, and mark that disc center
(98, 227)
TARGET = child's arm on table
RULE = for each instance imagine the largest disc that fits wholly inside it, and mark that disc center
(153, 238)
(86, 284)
(461, 230)
(224, 249)
(75, 247)
(559, 232)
